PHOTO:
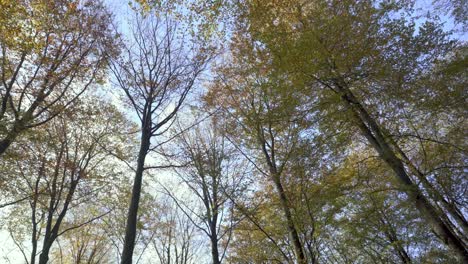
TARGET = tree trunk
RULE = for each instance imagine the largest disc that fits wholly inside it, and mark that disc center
(403, 255)
(392, 236)
(214, 248)
(44, 257)
(130, 230)
(34, 226)
(18, 127)
(212, 213)
(298, 250)
(10, 137)
(33, 251)
(451, 208)
(4, 144)
(371, 130)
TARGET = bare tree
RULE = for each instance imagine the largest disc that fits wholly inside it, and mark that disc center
(158, 69)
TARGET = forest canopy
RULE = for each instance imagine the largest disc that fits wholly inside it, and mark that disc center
(233, 131)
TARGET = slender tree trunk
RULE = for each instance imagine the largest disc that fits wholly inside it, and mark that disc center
(214, 219)
(371, 130)
(4, 144)
(33, 219)
(52, 233)
(392, 236)
(44, 257)
(34, 238)
(214, 248)
(19, 126)
(298, 250)
(130, 230)
(405, 258)
(212, 212)
(451, 208)
(34, 250)
(169, 249)
(9, 138)
(404, 255)
(33, 256)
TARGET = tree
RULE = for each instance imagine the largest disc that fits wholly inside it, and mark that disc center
(330, 131)
(261, 237)
(88, 244)
(214, 175)
(265, 118)
(61, 169)
(357, 50)
(156, 73)
(51, 53)
(149, 220)
(175, 241)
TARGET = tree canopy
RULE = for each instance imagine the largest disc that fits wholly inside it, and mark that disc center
(247, 131)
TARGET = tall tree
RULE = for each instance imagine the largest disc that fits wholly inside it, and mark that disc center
(158, 69)
(175, 241)
(355, 51)
(61, 169)
(88, 244)
(261, 237)
(215, 175)
(265, 118)
(51, 52)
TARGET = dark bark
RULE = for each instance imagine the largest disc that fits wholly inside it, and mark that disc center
(284, 201)
(392, 236)
(4, 144)
(11, 136)
(214, 208)
(403, 255)
(131, 227)
(435, 194)
(34, 248)
(44, 257)
(33, 216)
(213, 220)
(372, 131)
(298, 250)
(214, 246)
(52, 231)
